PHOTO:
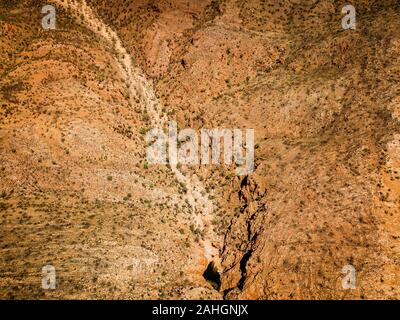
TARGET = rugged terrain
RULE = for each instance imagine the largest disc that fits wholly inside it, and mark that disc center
(76, 191)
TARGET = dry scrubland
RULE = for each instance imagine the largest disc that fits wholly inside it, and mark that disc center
(76, 191)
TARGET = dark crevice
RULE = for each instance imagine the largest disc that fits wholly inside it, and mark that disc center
(243, 263)
(212, 275)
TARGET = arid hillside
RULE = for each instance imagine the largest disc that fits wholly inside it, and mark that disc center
(77, 192)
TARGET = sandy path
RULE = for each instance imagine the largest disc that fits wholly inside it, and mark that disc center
(140, 88)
